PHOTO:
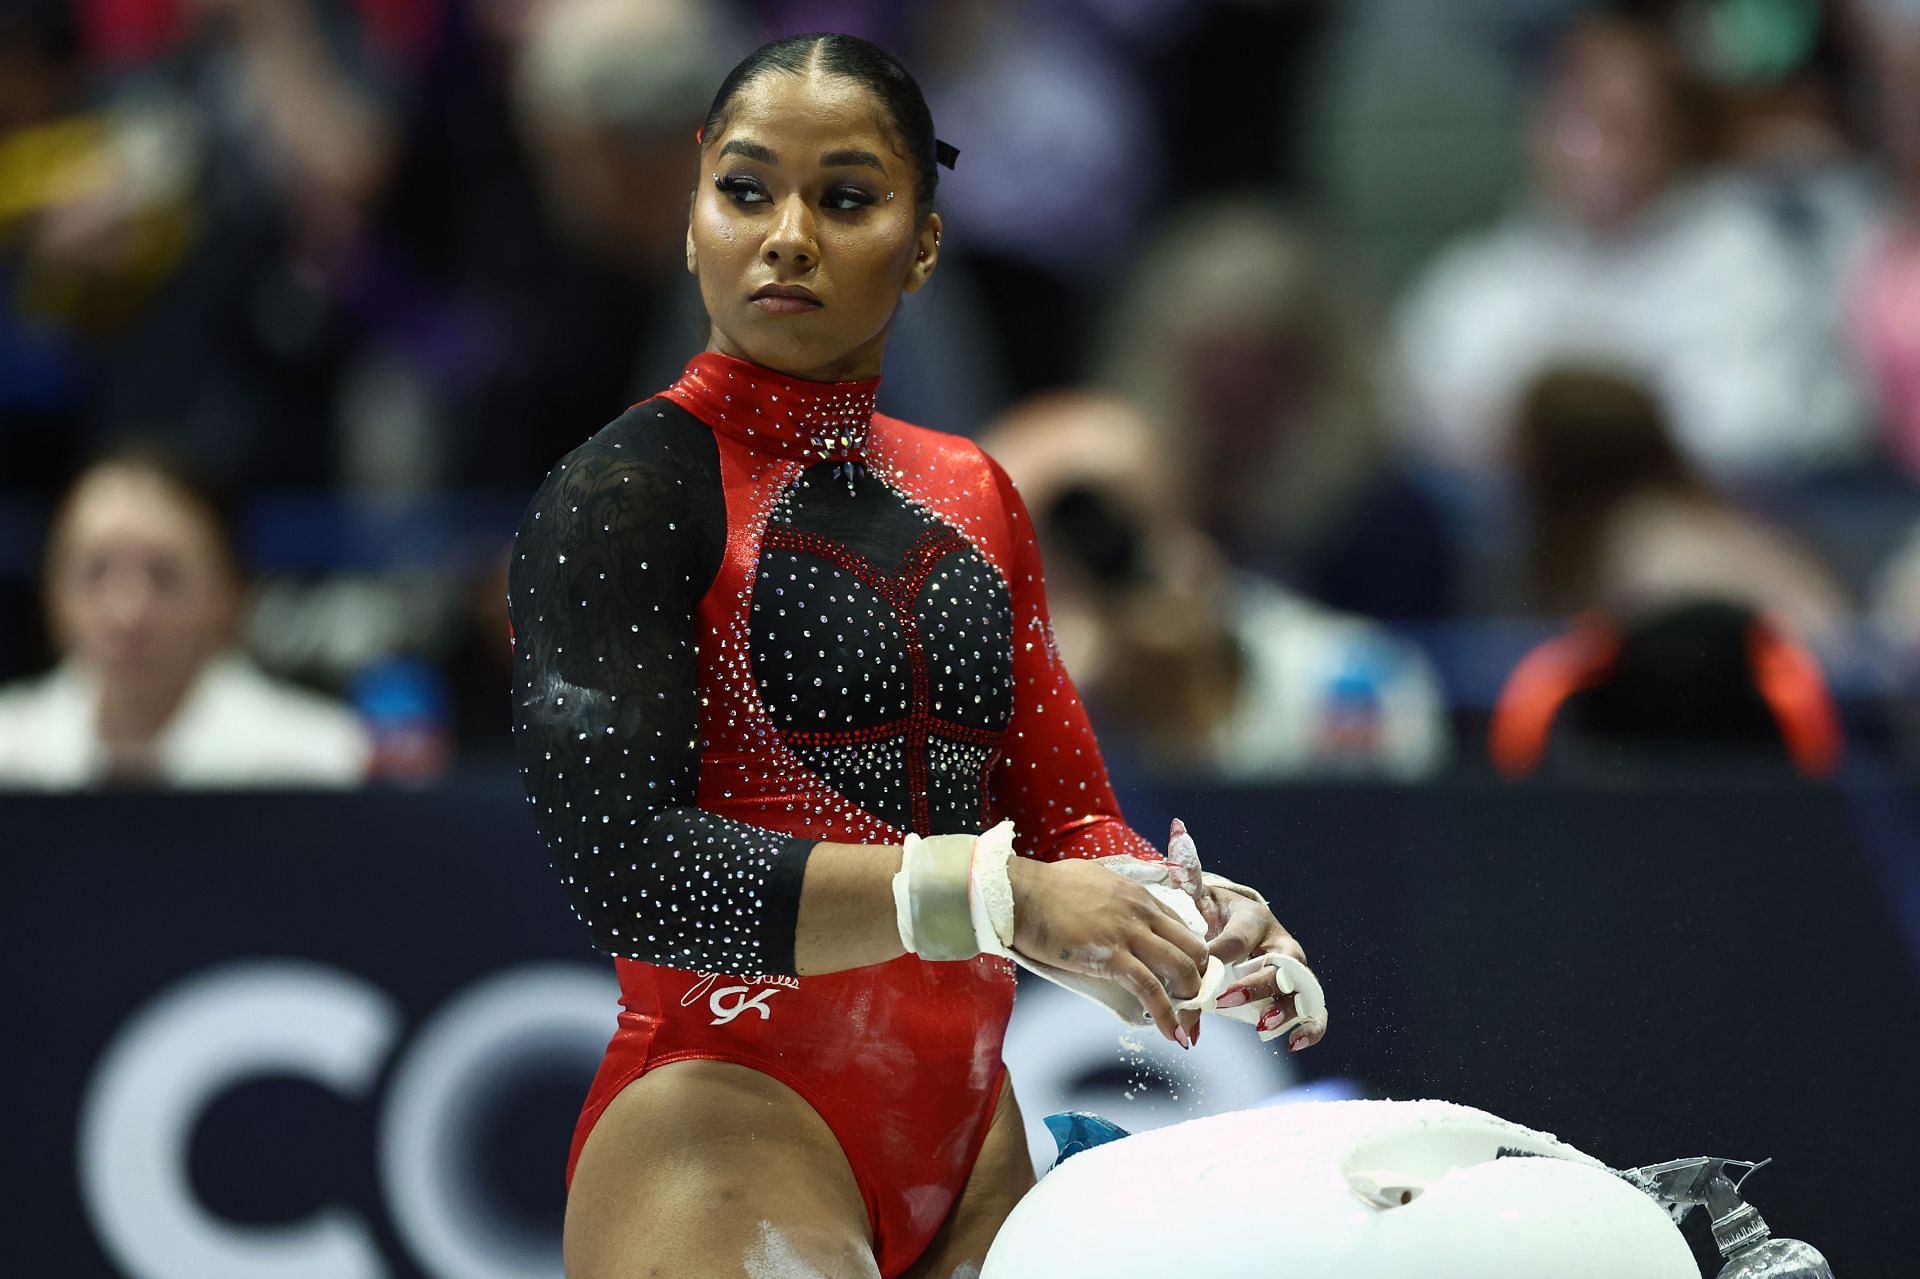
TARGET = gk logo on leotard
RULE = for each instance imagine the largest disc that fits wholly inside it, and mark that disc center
(724, 1012)
(729, 1002)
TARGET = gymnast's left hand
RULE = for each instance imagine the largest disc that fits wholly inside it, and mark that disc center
(1238, 928)
(1250, 929)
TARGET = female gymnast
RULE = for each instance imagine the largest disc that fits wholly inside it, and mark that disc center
(783, 665)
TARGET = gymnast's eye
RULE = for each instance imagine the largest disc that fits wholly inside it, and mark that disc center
(845, 199)
(742, 188)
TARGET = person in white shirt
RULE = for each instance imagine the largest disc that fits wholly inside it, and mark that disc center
(143, 590)
(1619, 257)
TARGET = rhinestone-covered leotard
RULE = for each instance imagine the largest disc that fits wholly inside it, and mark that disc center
(751, 615)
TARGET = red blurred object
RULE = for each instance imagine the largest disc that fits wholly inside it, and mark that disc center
(401, 29)
(118, 32)
(125, 32)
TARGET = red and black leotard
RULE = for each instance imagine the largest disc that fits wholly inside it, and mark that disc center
(751, 615)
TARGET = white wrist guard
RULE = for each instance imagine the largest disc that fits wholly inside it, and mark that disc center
(952, 898)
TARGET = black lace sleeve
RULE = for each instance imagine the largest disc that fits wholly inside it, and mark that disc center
(613, 555)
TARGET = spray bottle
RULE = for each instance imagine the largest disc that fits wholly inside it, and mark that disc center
(1750, 1250)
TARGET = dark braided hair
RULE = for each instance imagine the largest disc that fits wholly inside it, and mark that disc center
(864, 63)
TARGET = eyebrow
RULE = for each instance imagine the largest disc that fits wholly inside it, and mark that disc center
(751, 150)
(835, 159)
(830, 160)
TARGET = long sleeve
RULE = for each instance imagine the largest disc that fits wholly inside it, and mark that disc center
(609, 565)
(1050, 780)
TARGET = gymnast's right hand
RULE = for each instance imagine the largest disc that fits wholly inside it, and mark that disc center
(1080, 916)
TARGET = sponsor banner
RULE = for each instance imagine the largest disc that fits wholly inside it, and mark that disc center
(280, 1036)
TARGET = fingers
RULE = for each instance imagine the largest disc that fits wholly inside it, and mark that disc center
(1183, 871)
(1241, 938)
(1183, 859)
(1145, 987)
(1212, 911)
(1173, 929)
(1282, 942)
(1305, 1035)
(1282, 1012)
(1174, 969)
(1264, 984)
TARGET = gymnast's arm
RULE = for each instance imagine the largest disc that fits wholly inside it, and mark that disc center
(1050, 779)
(619, 544)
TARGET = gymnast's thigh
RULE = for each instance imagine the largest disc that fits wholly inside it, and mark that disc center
(1001, 1174)
(710, 1170)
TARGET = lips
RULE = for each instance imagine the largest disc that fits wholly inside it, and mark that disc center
(786, 299)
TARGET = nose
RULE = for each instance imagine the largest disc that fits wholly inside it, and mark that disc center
(790, 240)
(127, 602)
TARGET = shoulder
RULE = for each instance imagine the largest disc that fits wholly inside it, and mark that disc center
(44, 725)
(24, 697)
(924, 441)
(33, 703)
(957, 479)
(654, 438)
(268, 730)
(1483, 258)
(643, 495)
(952, 459)
(653, 462)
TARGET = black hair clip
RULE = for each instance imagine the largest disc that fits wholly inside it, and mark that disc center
(945, 153)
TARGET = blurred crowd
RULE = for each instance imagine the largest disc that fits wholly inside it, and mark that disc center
(1396, 386)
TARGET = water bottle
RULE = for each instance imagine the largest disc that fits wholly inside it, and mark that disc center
(404, 705)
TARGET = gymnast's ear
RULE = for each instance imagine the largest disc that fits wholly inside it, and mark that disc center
(693, 259)
(926, 254)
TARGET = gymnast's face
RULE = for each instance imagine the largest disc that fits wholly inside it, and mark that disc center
(793, 199)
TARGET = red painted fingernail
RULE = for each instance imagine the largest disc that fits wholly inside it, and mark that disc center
(1180, 1037)
(1233, 999)
(1298, 1042)
(1196, 1034)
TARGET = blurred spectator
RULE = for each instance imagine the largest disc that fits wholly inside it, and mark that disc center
(1060, 153)
(535, 228)
(184, 256)
(1689, 686)
(143, 592)
(1622, 520)
(87, 231)
(1886, 304)
(1786, 77)
(1619, 255)
(1200, 668)
(1251, 359)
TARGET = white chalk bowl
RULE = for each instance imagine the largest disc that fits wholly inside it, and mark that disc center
(1339, 1190)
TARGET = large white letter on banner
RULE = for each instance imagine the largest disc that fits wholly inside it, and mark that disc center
(193, 1043)
(457, 1071)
